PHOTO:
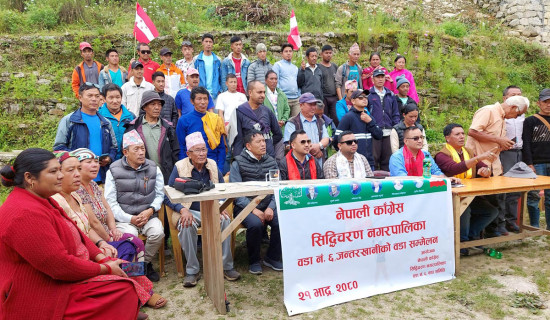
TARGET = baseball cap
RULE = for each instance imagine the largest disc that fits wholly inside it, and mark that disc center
(136, 64)
(307, 98)
(84, 45)
(357, 93)
(164, 51)
(191, 71)
(378, 72)
(544, 94)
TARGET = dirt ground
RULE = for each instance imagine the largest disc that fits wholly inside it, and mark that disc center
(515, 287)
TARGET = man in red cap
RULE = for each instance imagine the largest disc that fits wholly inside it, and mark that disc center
(88, 70)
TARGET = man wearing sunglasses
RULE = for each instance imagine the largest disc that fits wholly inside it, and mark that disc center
(347, 163)
(408, 161)
(298, 164)
(359, 121)
(149, 66)
(88, 70)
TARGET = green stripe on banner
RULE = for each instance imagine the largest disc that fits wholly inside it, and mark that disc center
(350, 191)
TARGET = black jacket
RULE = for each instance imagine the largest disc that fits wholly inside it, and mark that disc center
(169, 147)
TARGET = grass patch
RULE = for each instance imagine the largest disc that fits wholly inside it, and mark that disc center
(529, 301)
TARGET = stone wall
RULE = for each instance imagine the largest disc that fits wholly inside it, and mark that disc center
(529, 19)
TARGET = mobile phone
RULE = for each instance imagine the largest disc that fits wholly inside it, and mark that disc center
(515, 139)
(133, 269)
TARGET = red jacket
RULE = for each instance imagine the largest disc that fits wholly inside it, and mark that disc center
(38, 265)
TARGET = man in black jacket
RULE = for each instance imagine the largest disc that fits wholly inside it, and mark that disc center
(310, 76)
(169, 111)
(252, 165)
(161, 142)
(298, 164)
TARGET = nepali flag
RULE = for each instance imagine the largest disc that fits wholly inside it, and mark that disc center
(144, 28)
(294, 36)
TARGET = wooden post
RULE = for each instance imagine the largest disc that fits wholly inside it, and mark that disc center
(212, 254)
(457, 213)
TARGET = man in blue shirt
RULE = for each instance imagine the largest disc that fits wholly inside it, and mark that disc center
(183, 97)
(194, 122)
(113, 72)
(287, 73)
(408, 161)
(209, 66)
(85, 128)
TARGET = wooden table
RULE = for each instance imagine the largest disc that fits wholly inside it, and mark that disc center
(463, 196)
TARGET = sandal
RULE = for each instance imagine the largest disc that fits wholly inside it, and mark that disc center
(156, 301)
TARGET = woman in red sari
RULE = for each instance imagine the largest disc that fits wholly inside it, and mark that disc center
(49, 268)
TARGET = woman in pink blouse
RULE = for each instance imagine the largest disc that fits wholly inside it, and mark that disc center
(399, 70)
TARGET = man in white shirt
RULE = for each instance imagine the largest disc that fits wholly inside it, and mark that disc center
(187, 62)
(229, 100)
(134, 88)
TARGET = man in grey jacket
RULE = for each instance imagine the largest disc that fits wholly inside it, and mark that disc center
(259, 68)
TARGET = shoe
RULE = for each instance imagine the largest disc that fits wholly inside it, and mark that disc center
(191, 280)
(502, 230)
(151, 273)
(275, 265)
(512, 226)
(231, 275)
(255, 268)
(142, 316)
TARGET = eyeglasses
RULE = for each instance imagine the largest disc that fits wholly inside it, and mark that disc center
(416, 138)
(305, 141)
(199, 151)
(350, 142)
(90, 84)
(145, 51)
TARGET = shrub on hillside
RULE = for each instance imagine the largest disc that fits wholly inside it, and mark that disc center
(43, 17)
(10, 21)
(253, 12)
(455, 28)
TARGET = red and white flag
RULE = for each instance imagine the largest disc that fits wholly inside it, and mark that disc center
(294, 36)
(144, 28)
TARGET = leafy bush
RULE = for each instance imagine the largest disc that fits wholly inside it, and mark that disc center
(455, 28)
(255, 12)
(10, 21)
(42, 17)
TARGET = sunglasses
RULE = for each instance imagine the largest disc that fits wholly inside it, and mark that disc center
(90, 84)
(361, 97)
(305, 141)
(349, 142)
(145, 51)
(416, 138)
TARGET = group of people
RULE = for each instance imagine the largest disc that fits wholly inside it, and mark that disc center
(216, 120)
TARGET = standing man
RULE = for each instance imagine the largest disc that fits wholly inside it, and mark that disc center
(259, 68)
(149, 66)
(88, 70)
(237, 64)
(252, 165)
(169, 111)
(187, 216)
(287, 73)
(134, 88)
(230, 99)
(187, 62)
(173, 76)
(161, 144)
(536, 154)
(113, 72)
(488, 133)
(508, 158)
(298, 164)
(253, 115)
(310, 77)
(359, 121)
(313, 125)
(383, 108)
(329, 69)
(183, 98)
(347, 162)
(209, 124)
(350, 70)
(277, 102)
(134, 189)
(85, 128)
(209, 66)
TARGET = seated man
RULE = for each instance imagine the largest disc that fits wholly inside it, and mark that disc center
(408, 161)
(298, 164)
(458, 161)
(347, 162)
(187, 216)
(252, 165)
(134, 191)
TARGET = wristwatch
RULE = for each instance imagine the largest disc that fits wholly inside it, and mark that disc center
(321, 146)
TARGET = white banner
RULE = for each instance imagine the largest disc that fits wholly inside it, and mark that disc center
(349, 240)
